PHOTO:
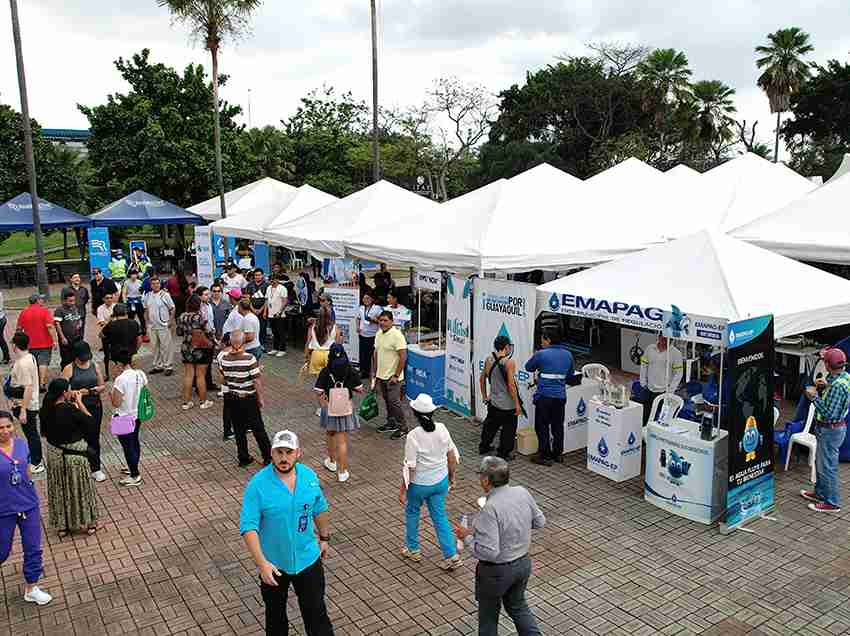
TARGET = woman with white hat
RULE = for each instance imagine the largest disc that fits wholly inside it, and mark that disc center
(430, 458)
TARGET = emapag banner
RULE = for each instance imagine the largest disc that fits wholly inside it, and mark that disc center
(694, 328)
(504, 308)
(99, 249)
(346, 301)
(749, 417)
(458, 388)
(204, 256)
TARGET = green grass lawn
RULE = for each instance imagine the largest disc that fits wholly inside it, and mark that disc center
(23, 243)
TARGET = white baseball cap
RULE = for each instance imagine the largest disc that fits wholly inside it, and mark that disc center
(285, 439)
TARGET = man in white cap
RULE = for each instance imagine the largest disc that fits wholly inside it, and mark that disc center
(282, 503)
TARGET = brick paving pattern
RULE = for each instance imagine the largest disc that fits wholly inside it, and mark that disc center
(169, 559)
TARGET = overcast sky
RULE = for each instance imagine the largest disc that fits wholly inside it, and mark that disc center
(69, 46)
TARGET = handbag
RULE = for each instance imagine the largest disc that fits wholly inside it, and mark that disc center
(200, 340)
(339, 401)
(122, 424)
(369, 407)
(146, 410)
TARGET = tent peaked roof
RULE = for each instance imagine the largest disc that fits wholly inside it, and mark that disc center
(546, 172)
(16, 215)
(141, 208)
(632, 170)
(265, 192)
(815, 227)
(251, 223)
(712, 274)
(323, 231)
(681, 171)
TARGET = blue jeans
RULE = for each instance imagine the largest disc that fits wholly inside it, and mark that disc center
(826, 463)
(435, 497)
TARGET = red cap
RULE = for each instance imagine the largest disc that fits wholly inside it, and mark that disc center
(834, 358)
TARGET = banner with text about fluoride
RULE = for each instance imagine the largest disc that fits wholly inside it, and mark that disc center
(504, 308)
(749, 417)
(204, 256)
(458, 388)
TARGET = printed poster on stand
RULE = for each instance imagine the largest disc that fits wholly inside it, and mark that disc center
(504, 308)
(99, 249)
(749, 417)
(204, 256)
(458, 388)
(426, 280)
(346, 301)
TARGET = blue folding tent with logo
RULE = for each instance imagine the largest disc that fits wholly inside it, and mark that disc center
(141, 208)
(16, 215)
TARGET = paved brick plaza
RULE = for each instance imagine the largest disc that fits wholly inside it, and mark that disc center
(170, 560)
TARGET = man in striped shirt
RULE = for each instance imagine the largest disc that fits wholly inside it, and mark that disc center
(244, 398)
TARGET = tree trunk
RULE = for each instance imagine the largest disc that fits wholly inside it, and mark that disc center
(776, 147)
(217, 138)
(40, 265)
(65, 243)
(376, 148)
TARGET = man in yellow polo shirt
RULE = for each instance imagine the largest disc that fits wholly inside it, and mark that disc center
(388, 362)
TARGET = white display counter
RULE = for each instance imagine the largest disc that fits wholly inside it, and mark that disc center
(575, 414)
(686, 475)
(614, 440)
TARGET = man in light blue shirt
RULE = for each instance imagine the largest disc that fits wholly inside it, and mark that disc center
(282, 502)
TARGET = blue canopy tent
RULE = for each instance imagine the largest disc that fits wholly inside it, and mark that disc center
(141, 208)
(16, 215)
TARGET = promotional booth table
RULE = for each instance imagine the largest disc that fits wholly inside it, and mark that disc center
(576, 412)
(614, 440)
(686, 475)
(425, 372)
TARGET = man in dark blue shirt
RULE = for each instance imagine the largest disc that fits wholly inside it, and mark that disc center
(554, 364)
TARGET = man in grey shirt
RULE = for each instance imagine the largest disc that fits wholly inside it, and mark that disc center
(501, 536)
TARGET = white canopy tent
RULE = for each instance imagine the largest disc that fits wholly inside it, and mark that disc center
(814, 228)
(324, 232)
(707, 274)
(843, 169)
(265, 194)
(682, 172)
(253, 223)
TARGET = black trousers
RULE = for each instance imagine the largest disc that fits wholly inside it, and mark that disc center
(504, 584)
(66, 353)
(107, 356)
(367, 348)
(278, 324)
(309, 587)
(136, 310)
(92, 434)
(31, 433)
(499, 419)
(549, 426)
(245, 414)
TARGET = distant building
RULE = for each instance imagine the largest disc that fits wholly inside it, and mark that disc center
(75, 139)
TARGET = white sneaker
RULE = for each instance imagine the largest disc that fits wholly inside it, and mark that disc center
(187, 405)
(331, 466)
(38, 468)
(280, 354)
(271, 352)
(98, 475)
(319, 412)
(131, 481)
(37, 596)
(207, 404)
(343, 476)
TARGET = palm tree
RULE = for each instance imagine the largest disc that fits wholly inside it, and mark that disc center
(213, 21)
(667, 71)
(784, 70)
(29, 158)
(714, 105)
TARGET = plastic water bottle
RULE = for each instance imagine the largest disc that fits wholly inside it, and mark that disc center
(464, 522)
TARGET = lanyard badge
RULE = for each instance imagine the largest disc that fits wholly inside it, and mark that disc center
(302, 520)
(15, 477)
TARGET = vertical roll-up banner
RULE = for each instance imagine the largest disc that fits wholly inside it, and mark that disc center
(99, 249)
(204, 256)
(458, 388)
(749, 418)
(346, 302)
(504, 308)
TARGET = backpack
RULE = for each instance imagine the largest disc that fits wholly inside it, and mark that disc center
(146, 409)
(497, 362)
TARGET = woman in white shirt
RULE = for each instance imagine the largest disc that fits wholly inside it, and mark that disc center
(276, 302)
(126, 390)
(430, 457)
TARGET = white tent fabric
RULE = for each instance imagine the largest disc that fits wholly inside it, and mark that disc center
(843, 169)
(325, 231)
(266, 194)
(710, 274)
(682, 171)
(814, 228)
(537, 219)
(252, 223)
(738, 192)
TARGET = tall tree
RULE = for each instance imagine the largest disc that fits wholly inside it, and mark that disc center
(212, 22)
(41, 266)
(784, 70)
(667, 72)
(715, 106)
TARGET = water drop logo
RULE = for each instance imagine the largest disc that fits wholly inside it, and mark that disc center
(731, 336)
(503, 331)
(554, 303)
(602, 447)
(581, 407)
(632, 438)
(674, 499)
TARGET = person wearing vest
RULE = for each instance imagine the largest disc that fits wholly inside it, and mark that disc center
(503, 405)
(118, 267)
(554, 365)
(831, 399)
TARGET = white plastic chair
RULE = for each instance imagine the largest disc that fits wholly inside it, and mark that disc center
(296, 263)
(595, 370)
(807, 439)
(674, 405)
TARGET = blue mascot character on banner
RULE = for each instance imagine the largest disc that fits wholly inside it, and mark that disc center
(752, 439)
